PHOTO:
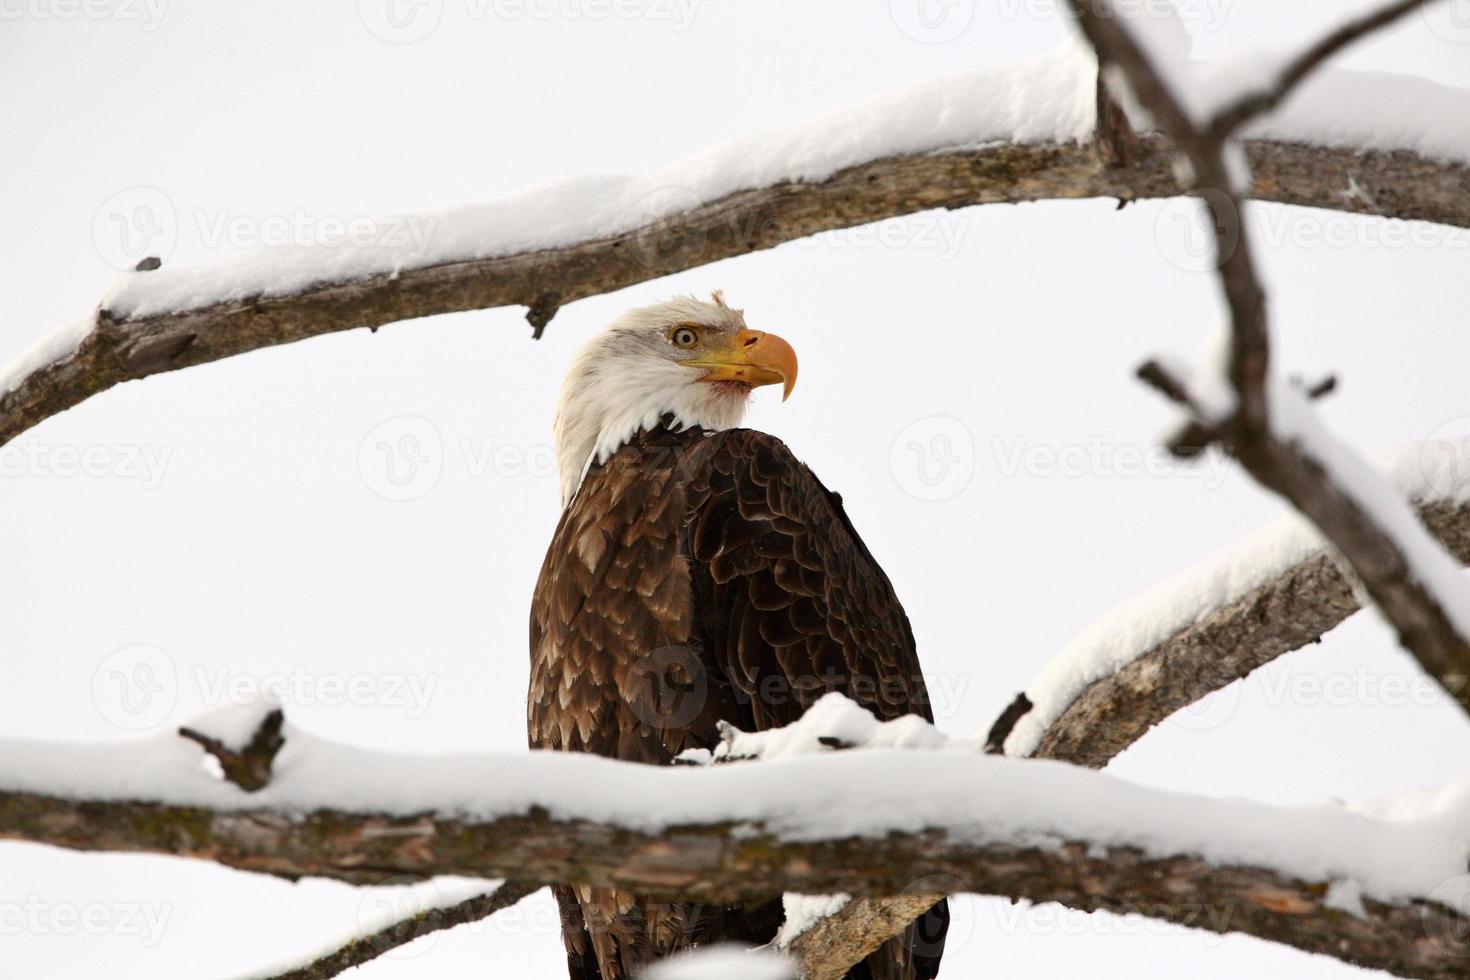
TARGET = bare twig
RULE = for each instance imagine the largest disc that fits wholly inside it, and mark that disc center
(1230, 119)
(364, 949)
(250, 767)
(1289, 612)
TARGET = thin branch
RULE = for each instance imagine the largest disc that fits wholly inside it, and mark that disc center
(1378, 558)
(364, 949)
(1396, 184)
(1229, 120)
(743, 861)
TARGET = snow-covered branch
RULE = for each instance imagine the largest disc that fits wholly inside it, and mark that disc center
(1214, 623)
(1003, 134)
(900, 808)
(1265, 424)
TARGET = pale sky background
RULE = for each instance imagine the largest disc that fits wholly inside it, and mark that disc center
(237, 525)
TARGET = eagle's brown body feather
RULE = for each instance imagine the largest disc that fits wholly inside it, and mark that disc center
(697, 577)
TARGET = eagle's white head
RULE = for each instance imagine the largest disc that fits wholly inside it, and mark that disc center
(694, 360)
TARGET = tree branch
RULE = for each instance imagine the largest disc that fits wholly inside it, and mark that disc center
(730, 862)
(1395, 184)
(1229, 120)
(1292, 610)
(1380, 556)
(365, 949)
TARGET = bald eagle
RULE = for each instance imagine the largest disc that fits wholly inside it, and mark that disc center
(699, 573)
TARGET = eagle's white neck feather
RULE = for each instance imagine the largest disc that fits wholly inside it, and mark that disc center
(627, 378)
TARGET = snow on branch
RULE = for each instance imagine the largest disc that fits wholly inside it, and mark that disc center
(1010, 133)
(1212, 624)
(1267, 425)
(896, 810)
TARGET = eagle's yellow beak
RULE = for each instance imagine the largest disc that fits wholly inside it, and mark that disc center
(752, 358)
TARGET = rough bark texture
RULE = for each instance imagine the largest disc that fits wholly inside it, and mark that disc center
(829, 948)
(1398, 184)
(1292, 610)
(726, 863)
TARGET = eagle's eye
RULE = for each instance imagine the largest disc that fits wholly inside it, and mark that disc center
(684, 337)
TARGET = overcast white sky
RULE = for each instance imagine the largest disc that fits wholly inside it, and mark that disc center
(240, 526)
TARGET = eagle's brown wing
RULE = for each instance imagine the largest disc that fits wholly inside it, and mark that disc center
(789, 603)
(699, 577)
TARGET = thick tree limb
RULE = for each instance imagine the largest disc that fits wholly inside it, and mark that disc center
(1292, 610)
(365, 949)
(721, 862)
(829, 948)
(1395, 184)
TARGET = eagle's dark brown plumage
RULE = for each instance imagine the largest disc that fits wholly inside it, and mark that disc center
(698, 576)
